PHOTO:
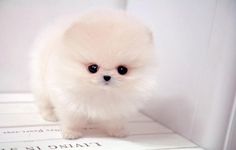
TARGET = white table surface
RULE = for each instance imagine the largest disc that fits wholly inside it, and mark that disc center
(22, 128)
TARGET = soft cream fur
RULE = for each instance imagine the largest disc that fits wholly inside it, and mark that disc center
(66, 91)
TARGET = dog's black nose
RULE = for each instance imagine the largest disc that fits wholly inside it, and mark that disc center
(106, 78)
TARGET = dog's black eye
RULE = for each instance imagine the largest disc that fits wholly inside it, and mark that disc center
(93, 68)
(122, 70)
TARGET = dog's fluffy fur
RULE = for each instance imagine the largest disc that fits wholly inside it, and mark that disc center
(64, 88)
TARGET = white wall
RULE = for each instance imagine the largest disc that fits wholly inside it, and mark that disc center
(231, 133)
(196, 42)
(20, 21)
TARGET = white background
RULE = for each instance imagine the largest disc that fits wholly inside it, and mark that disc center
(196, 40)
(196, 43)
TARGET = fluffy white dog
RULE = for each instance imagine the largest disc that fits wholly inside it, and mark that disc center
(97, 68)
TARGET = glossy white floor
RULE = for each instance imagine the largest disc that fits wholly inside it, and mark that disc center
(21, 128)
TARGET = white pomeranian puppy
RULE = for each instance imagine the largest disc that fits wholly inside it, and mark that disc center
(96, 68)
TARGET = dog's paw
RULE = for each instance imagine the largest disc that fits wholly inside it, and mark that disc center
(49, 115)
(117, 132)
(71, 135)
